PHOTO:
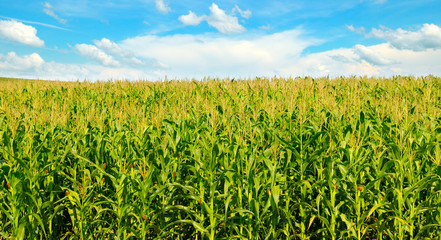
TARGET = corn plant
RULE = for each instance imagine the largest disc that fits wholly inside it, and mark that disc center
(267, 158)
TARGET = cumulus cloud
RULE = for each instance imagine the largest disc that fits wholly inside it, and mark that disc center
(218, 19)
(196, 56)
(93, 53)
(346, 61)
(34, 67)
(191, 19)
(204, 55)
(162, 6)
(427, 37)
(245, 14)
(371, 56)
(48, 9)
(14, 62)
(74, 72)
(80, 72)
(113, 48)
(19, 32)
(246, 55)
(222, 22)
(109, 53)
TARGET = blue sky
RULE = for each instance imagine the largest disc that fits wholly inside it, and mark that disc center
(151, 39)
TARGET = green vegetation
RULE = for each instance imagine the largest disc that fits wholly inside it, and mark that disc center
(349, 158)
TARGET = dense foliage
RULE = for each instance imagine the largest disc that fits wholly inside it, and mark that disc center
(348, 158)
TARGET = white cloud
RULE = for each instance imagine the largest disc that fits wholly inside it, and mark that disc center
(34, 67)
(333, 63)
(19, 32)
(191, 19)
(218, 19)
(126, 56)
(35, 23)
(427, 37)
(359, 30)
(265, 27)
(196, 56)
(246, 55)
(112, 48)
(346, 61)
(14, 62)
(222, 22)
(371, 56)
(69, 72)
(95, 54)
(80, 72)
(48, 9)
(208, 55)
(245, 14)
(162, 7)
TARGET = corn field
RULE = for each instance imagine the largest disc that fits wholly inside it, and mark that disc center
(272, 158)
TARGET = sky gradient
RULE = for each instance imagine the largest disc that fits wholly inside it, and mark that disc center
(151, 39)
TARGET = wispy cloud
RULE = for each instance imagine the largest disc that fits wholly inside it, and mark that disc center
(245, 14)
(35, 23)
(48, 9)
(359, 30)
(265, 27)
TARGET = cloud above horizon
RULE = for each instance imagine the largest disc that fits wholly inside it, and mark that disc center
(13, 62)
(15, 31)
(212, 54)
(371, 56)
(427, 37)
(93, 53)
(202, 55)
(193, 39)
(218, 19)
(112, 48)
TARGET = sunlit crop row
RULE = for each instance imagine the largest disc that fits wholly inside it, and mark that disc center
(303, 158)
